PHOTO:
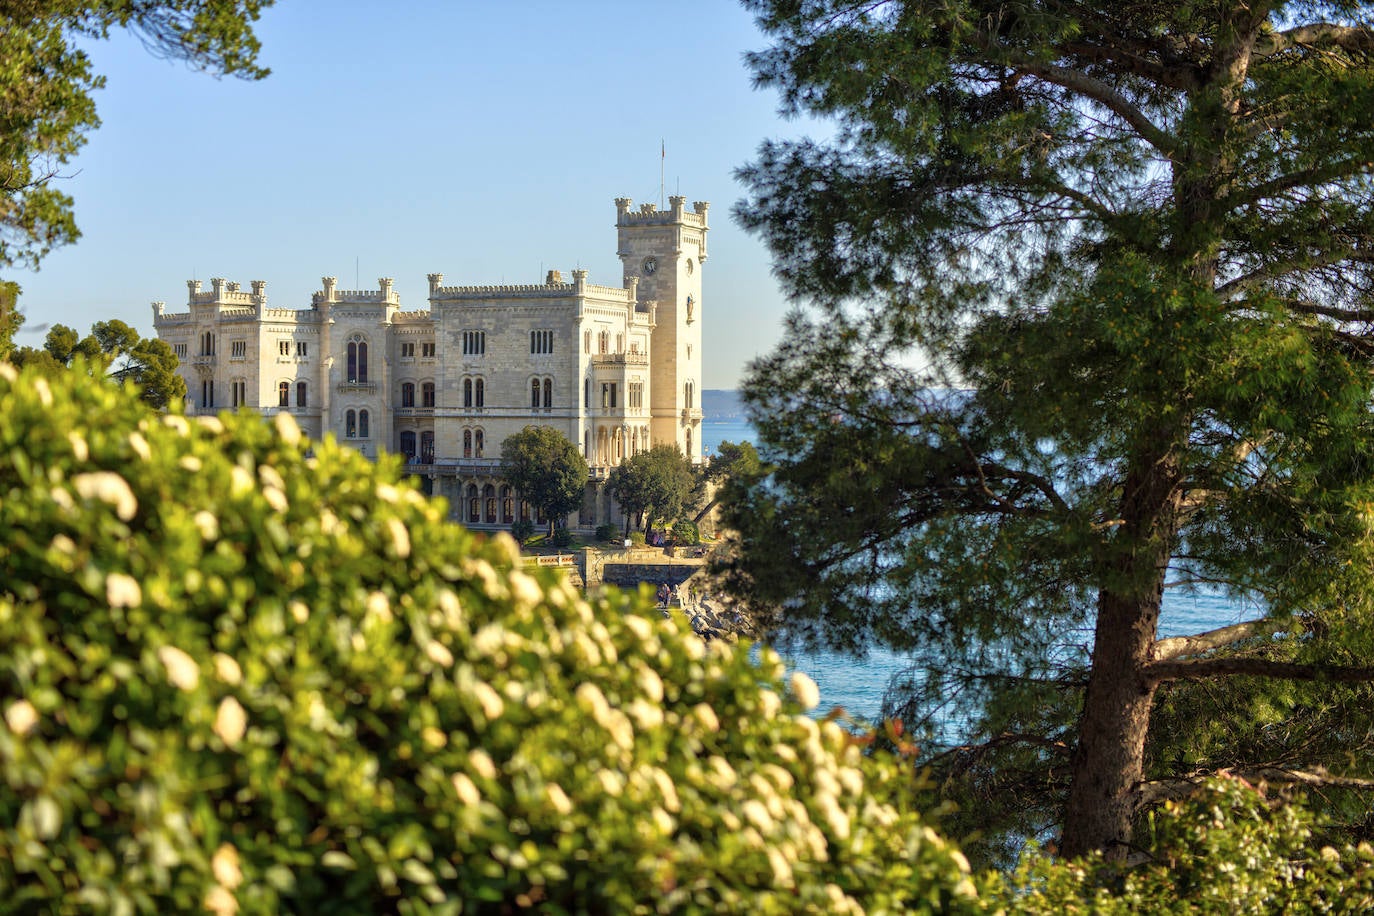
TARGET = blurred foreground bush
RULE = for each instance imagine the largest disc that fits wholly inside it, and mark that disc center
(237, 674)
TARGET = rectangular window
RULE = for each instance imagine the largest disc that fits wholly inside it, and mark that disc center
(427, 394)
(300, 394)
(238, 349)
(427, 350)
(407, 351)
(284, 347)
(302, 348)
(474, 343)
(612, 394)
(541, 342)
(180, 351)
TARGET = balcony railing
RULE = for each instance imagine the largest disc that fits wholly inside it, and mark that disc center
(691, 414)
(414, 411)
(620, 359)
(355, 385)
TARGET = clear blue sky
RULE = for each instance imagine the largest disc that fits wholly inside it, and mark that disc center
(483, 141)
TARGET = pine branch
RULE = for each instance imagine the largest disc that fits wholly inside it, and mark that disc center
(1198, 669)
(1173, 647)
(1351, 39)
(1162, 790)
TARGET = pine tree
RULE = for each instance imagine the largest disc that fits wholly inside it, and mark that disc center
(1138, 237)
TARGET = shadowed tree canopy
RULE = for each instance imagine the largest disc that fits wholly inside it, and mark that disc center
(1138, 237)
(548, 471)
(733, 465)
(655, 484)
(46, 86)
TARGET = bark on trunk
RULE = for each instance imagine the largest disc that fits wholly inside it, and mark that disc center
(1108, 764)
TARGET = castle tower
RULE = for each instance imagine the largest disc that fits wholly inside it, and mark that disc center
(665, 250)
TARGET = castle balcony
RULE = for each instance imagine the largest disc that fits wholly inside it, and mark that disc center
(466, 467)
(355, 385)
(620, 359)
(691, 415)
(203, 360)
(414, 412)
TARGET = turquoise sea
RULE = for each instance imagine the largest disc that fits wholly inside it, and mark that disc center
(857, 684)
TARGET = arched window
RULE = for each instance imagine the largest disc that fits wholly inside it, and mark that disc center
(362, 425)
(481, 393)
(284, 394)
(408, 444)
(481, 439)
(467, 443)
(350, 425)
(427, 394)
(474, 504)
(548, 392)
(302, 392)
(689, 443)
(604, 342)
(357, 359)
(587, 445)
(534, 392)
(407, 394)
(427, 447)
(467, 392)
(688, 391)
(587, 393)
(489, 497)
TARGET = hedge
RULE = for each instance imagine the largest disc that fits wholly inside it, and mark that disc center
(244, 672)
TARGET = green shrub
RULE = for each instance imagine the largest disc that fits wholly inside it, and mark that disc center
(235, 677)
(562, 537)
(608, 533)
(636, 538)
(685, 532)
(522, 530)
(1227, 849)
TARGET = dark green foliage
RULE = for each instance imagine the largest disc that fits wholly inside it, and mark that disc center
(1134, 236)
(653, 484)
(546, 469)
(607, 533)
(732, 466)
(243, 670)
(685, 532)
(522, 530)
(562, 537)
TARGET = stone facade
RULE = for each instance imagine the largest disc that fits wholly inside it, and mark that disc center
(615, 369)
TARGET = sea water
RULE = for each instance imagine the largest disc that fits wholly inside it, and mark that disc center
(858, 683)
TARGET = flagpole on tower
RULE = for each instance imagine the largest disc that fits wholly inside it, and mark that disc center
(662, 161)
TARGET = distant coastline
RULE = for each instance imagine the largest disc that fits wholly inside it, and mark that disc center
(721, 404)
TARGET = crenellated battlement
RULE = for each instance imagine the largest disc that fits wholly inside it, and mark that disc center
(523, 291)
(225, 292)
(293, 314)
(385, 294)
(650, 215)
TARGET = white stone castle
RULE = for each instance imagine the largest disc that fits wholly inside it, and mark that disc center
(614, 369)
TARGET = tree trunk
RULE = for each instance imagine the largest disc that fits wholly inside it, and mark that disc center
(1108, 764)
